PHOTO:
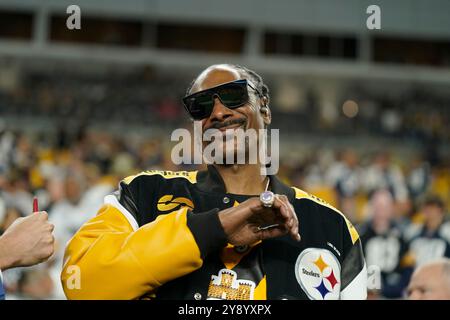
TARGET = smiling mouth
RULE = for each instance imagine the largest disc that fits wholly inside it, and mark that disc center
(230, 125)
(233, 127)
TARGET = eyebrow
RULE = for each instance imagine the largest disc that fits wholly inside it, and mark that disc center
(409, 290)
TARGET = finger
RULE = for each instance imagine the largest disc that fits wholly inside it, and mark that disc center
(258, 205)
(50, 227)
(293, 216)
(289, 216)
(285, 211)
(272, 232)
(294, 229)
(43, 215)
(296, 223)
(277, 231)
(47, 239)
(292, 213)
(293, 232)
(290, 209)
(48, 252)
(255, 205)
(261, 213)
(284, 198)
(292, 222)
(281, 207)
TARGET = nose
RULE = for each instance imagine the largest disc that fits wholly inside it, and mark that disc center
(220, 112)
(415, 295)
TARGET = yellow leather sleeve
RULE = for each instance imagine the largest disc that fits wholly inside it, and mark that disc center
(113, 261)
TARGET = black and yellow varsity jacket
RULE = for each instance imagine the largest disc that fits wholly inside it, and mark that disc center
(159, 236)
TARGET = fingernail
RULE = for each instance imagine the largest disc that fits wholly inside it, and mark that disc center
(299, 238)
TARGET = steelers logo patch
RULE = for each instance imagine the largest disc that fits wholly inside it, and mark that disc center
(319, 274)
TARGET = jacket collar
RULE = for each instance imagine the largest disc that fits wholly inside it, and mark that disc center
(210, 180)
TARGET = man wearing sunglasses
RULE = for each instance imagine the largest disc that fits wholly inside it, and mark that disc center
(227, 232)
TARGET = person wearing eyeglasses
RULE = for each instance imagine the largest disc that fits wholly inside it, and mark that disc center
(229, 232)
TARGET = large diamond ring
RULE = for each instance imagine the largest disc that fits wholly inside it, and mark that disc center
(267, 198)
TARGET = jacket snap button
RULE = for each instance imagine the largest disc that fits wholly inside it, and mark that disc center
(197, 296)
(241, 249)
(226, 200)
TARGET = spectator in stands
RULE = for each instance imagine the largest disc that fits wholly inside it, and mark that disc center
(6, 147)
(431, 240)
(383, 174)
(71, 212)
(418, 178)
(345, 177)
(33, 283)
(431, 281)
(383, 244)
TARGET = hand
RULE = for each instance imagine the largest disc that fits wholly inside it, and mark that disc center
(241, 223)
(28, 241)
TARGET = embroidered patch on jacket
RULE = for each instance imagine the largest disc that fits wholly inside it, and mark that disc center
(226, 286)
(168, 203)
(318, 272)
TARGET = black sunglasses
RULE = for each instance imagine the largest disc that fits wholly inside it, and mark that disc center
(232, 95)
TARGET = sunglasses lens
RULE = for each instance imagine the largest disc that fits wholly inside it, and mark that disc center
(200, 106)
(232, 95)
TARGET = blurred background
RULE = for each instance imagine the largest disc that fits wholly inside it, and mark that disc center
(363, 114)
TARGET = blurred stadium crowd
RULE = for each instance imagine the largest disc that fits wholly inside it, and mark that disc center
(145, 96)
(398, 203)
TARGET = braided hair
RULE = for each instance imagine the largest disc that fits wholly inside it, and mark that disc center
(255, 78)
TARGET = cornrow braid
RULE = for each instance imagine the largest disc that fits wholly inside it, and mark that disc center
(255, 78)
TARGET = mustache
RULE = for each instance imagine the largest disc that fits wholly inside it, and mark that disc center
(218, 125)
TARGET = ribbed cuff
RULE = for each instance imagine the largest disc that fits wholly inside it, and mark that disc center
(207, 230)
(2, 290)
